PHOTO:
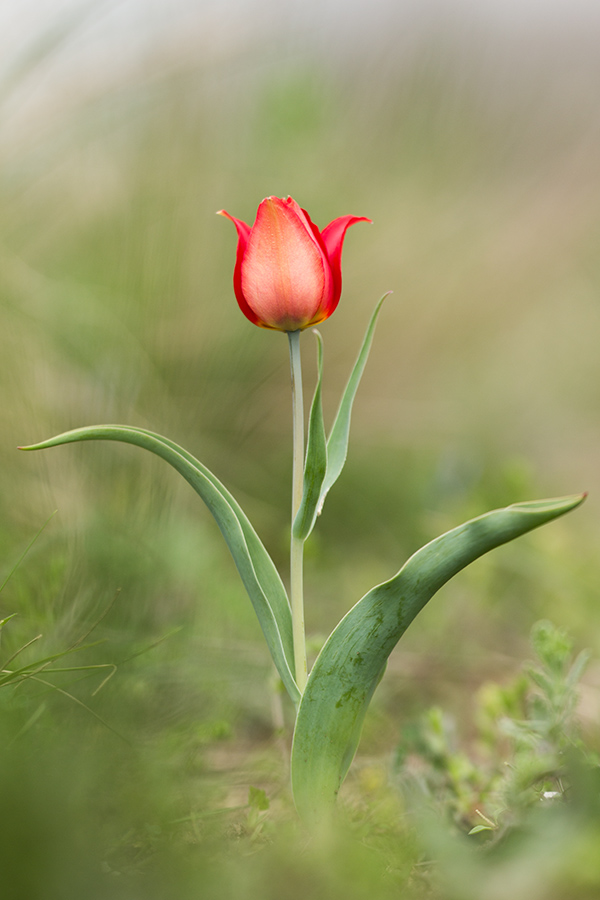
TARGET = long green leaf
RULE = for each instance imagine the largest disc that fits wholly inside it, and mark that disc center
(258, 573)
(315, 466)
(353, 659)
(337, 444)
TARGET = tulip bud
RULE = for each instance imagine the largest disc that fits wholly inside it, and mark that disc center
(287, 273)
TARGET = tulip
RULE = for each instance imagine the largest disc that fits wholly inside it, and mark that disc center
(288, 274)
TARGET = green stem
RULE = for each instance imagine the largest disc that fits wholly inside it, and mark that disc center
(297, 545)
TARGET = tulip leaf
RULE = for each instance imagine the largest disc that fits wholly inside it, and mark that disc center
(316, 458)
(337, 443)
(353, 659)
(257, 570)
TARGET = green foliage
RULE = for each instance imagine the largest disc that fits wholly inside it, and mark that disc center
(254, 564)
(523, 757)
(315, 466)
(325, 458)
(337, 442)
(165, 816)
(352, 662)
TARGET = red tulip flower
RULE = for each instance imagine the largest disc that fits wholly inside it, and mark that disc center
(288, 274)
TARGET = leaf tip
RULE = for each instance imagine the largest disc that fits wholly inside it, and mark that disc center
(40, 446)
(319, 338)
(379, 304)
(557, 505)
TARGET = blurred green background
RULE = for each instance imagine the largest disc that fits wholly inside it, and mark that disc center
(471, 137)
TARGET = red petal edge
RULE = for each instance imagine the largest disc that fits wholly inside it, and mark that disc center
(333, 238)
(243, 231)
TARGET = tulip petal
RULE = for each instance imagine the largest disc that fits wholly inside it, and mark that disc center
(285, 274)
(243, 231)
(333, 237)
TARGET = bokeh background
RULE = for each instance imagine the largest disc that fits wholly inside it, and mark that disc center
(470, 134)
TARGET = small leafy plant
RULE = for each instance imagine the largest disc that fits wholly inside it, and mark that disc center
(287, 278)
(527, 734)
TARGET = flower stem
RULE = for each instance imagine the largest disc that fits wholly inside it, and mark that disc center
(297, 545)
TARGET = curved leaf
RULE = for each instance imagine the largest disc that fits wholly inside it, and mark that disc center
(316, 458)
(353, 659)
(337, 443)
(257, 570)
